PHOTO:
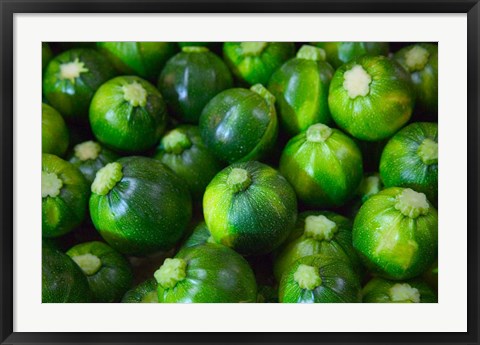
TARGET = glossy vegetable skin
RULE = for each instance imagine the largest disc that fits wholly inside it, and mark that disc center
(254, 62)
(209, 273)
(145, 59)
(192, 78)
(128, 114)
(321, 232)
(139, 206)
(250, 207)
(320, 279)
(89, 157)
(64, 196)
(71, 79)
(145, 292)
(55, 135)
(339, 53)
(371, 97)
(300, 87)
(62, 279)
(200, 235)
(323, 165)
(410, 159)
(182, 150)
(380, 290)
(396, 233)
(421, 61)
(108, 273)
(239, 124)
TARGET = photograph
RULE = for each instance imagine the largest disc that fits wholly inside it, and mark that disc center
(240, 172)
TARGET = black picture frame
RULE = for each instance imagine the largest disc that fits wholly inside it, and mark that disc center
(10, 7)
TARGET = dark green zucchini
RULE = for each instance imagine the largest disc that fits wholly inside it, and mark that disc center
(55, 136)
(339, 53)
(145, 292)
(380, 290)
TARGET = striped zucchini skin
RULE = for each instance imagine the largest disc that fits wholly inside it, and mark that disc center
(339, 246)
(146, 211)
(55, 135)
(62, 280)
(253, 68)
(239, 125)
(67, 210)
(390, 244)
(113, 278)
(71, 97)
(378, 290)
(145, 59)
(214, 274)
(425, 79)
(323, 174)
(401, 164)
(339, 53)
(145, 292)
(124, 127)
(253, 221)
(191, 79)
(340, 283)
(380, 113)
(300, 87)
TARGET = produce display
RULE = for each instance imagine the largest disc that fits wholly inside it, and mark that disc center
(239, 172)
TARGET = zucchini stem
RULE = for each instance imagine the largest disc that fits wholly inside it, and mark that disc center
(318, 133)
(356, 81)
(51, 185)
(176, 142)
(106, 178)
(309, 52)
(171, 272)
(253, 48)
(412, 204)
(89, 263)
(307, 277)
(320, 228)
(135, 94)
(72, 70)
(404, 293)
(369, 186)
(87, 150)
(264, 93)
(428, 151)
(416, 58)
(239, 179)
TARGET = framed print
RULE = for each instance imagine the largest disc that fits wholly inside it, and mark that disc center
(239, 172)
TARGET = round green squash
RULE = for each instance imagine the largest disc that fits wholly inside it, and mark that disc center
(47, 55)
(108, 273)
(300, 87)
(71, 79)
(55, 135)
(371, 97)
(320, 279)
(396, 233)
(421, 61)
(321, 232)
(371, 184)
(323, 165)
(62, 280)
(64, 196)
(410, 159)
(191, 79)
(254, 62)
(128, 114)
(250, 207)
(145, 292)
(139, 206)
(89, 157)
(200, 235)
(182, 150)
(209, 273)
(239, 124)
(145, 59)
(339, 53)
(380, 290)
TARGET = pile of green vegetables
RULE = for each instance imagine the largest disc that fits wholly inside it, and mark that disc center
(239, 172)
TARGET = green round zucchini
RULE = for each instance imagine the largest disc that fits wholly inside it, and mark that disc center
(380, 290)
(55, 135)
(145, 292)
(339, 53)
